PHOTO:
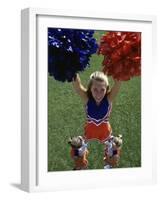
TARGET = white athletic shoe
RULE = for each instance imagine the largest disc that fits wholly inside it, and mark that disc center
(107, 167)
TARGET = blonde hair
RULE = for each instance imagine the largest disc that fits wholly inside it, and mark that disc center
(76, 141)
(97, 76)
(118, 140)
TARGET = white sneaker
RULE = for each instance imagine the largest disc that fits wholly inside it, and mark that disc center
(107, 167)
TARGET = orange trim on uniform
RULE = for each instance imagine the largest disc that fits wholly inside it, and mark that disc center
(112, 160)
(81, 162)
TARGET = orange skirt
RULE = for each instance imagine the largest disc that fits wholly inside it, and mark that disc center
(94, 132)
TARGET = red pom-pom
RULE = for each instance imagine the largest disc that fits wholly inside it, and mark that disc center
(122, 54)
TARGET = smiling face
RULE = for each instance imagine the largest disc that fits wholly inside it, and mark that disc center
(98, 90)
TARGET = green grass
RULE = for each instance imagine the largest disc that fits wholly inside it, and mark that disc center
(66, 118)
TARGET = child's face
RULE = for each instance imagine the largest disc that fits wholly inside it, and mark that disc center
(98, 90)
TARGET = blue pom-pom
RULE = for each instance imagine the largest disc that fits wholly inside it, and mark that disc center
(69, 52)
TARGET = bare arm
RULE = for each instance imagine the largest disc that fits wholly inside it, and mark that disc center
(114, 91)
(80, 89)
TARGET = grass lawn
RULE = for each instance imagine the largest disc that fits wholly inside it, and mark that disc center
(66, 118)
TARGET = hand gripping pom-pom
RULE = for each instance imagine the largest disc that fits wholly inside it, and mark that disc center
(69, 52)
(122, 54)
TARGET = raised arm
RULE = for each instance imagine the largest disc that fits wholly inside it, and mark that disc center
(114, 91)
(80, 89)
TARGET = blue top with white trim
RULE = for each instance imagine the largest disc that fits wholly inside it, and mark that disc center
(98, 113)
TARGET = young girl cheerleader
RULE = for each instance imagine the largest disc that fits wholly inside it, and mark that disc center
(112, 151)
(79, 152)
(97, 98)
